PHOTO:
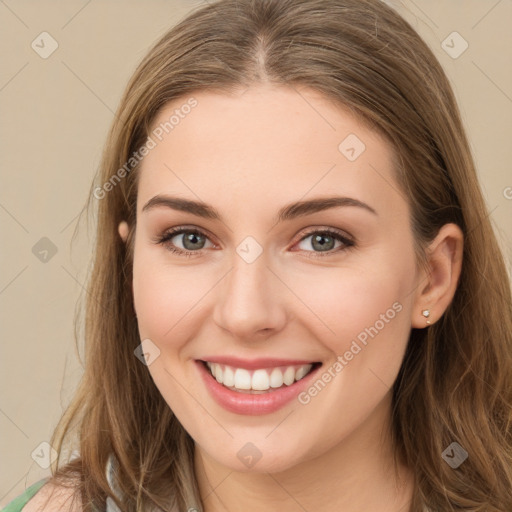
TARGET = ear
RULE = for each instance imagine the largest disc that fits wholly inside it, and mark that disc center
(123, 230)
(437, 286)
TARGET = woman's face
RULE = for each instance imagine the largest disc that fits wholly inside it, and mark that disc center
(266, 293)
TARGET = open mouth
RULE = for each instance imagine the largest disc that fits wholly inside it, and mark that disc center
(258, 381)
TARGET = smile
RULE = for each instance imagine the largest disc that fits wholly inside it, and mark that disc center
(259, 380)
(255, 387)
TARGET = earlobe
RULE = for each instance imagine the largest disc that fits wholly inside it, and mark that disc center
(444, 256)
(123, 230)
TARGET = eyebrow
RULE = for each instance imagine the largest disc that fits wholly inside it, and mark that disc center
(288, 212)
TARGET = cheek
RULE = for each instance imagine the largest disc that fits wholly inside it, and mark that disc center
(167, 300)
(368, 307)
(350, 303)
(364, 313)
(165, 296)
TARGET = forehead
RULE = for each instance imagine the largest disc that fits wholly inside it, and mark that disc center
(261, 145)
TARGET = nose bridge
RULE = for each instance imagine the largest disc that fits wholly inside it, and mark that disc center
(249, 300)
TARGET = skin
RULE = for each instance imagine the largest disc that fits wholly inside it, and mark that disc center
(248, 154)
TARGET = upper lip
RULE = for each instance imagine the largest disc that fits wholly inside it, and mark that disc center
(254, 364)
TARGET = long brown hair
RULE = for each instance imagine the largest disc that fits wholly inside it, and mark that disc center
(455, 383)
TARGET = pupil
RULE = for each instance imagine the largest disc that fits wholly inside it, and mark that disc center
(323, 246)
(193, 238)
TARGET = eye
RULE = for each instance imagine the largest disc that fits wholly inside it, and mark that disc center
(192, 240)
(324, 241)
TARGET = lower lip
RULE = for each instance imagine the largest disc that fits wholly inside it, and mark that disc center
(249, 404)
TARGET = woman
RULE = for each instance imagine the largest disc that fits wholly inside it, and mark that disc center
(297, 300)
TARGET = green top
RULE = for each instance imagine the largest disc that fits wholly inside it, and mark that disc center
(20, 501)
(17, 504)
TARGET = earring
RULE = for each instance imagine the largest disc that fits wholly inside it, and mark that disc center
(426, 314)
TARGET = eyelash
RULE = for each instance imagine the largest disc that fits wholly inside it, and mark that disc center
(168, 235)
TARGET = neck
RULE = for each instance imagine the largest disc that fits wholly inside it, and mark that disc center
(356, 474)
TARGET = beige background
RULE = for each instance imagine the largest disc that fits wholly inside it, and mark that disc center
(55, 114)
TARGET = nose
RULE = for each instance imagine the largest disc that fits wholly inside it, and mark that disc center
(251, 300)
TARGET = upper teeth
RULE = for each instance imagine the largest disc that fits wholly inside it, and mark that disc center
(258, 380)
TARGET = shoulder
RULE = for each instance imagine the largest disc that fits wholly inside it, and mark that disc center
(54, 498)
